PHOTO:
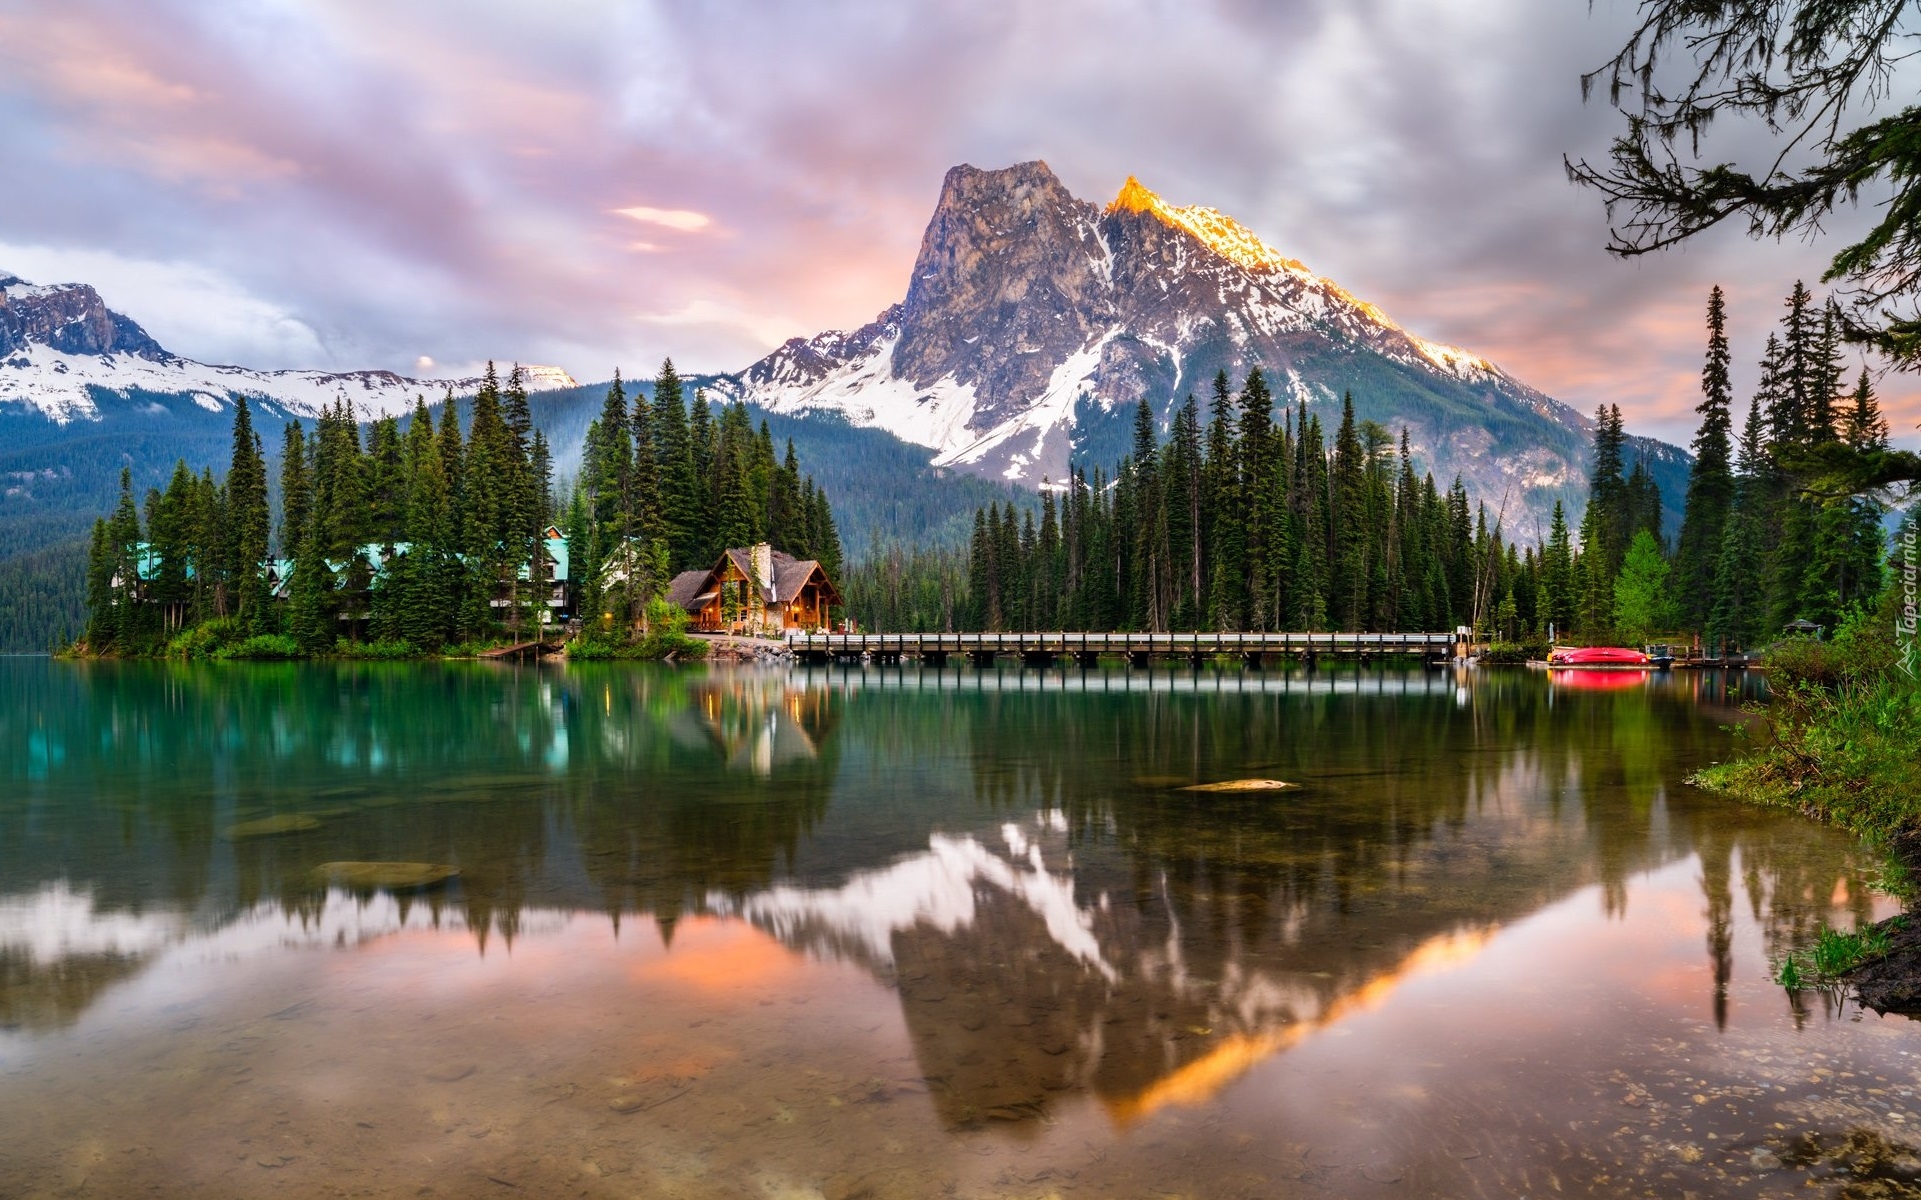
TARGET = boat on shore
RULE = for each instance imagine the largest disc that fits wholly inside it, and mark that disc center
(1596, 658)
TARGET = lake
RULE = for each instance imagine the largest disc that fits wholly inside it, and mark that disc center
(902, 932)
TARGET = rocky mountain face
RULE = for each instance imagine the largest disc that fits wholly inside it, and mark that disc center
(71, 319)
(60, 346)
(1034, 322)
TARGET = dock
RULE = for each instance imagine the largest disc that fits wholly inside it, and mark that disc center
(1139, 649)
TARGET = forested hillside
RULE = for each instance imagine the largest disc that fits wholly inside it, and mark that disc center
(412, 535)
(1260, 520)
(54, 479)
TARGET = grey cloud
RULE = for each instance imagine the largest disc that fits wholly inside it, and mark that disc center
(439, 179)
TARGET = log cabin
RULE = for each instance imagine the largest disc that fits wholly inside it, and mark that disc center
(756, 589)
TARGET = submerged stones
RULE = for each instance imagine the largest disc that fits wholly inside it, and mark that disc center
(385, 874)
(269, 826)
(1242, 785)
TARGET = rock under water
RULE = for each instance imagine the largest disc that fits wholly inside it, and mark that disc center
(385, 874)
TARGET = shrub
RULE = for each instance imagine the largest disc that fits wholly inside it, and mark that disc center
(204, 640)
(666, 635)
(263, 646)
(385, 650)
(1513, 653)
(1846, 734)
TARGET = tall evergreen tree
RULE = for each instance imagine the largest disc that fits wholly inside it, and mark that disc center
(1710, 480)
(1738, 613)
(250, 524)
(680, 484)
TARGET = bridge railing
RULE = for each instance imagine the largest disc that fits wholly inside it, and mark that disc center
(1072, 642)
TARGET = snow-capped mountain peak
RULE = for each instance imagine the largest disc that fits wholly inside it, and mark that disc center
(1033, 322)
(1211, 227)
(60, 346)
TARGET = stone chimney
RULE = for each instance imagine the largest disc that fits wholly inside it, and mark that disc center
(763, 555)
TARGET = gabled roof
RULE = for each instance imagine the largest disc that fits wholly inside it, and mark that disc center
(690, 588)
(687, 588)
(790, 574)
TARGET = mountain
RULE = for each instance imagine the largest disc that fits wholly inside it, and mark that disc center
(85, 391)
(1034, 322)
(61, 348)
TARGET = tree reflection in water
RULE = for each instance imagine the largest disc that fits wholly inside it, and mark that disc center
(1009, 852)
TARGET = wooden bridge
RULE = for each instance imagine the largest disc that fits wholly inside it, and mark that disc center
(1044, 649)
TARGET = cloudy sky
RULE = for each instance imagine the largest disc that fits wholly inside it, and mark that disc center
(599, 183)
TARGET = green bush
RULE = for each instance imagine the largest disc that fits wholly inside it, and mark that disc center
(263, 646)
(1863, 648)
(666, 635)
(1513, 653)
(586, 648)
(1844, 725)
(204, 640)
(385, 650)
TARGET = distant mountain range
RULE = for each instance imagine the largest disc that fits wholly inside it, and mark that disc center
(1032, 325)
(85, 391)
(61, 348)
(1035, 322)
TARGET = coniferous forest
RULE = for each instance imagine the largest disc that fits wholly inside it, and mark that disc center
(1242, 521)
(419, 535)
(424, 536)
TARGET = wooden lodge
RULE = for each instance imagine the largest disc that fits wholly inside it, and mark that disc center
(757, 589)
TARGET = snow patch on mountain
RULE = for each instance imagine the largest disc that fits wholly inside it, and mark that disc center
(59, 345)
(60, 386)
(1049, 422)
(867, 393)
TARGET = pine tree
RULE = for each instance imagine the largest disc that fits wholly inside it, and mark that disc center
(1183, 488)
(250, 524)
(103, 606)
(1560, 593)
(171, 526)
(296, 489)
(1347, 515)
(1736, 617)
(385, 481)
(130, 566)
(1226, 530)
(1258, 502)
(1710, 480)
(677, 470)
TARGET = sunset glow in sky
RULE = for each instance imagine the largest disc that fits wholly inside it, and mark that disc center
(344, 183)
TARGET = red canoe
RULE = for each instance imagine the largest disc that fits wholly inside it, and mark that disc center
(1616, 657)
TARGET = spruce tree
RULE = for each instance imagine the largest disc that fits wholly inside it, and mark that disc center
(1710, 480)
(1347, 515)
(1737, 615)
(1560, 592)
(1226, 530)
(676, 469)
(249, 523)
(1257, 501)
(296, 489)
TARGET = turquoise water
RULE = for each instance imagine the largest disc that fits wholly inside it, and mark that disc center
(910, 933)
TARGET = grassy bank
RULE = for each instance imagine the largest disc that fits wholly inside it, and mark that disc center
(224, 640)
(1842, 738)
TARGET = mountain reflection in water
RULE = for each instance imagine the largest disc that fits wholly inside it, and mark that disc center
(1005, 856)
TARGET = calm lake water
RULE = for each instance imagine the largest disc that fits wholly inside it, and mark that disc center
(913, 933)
